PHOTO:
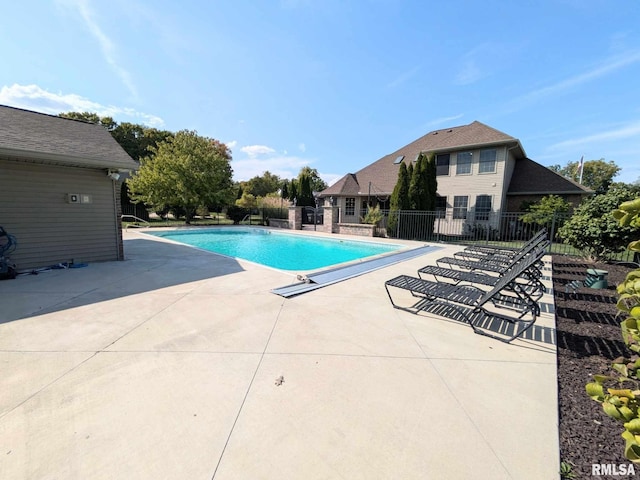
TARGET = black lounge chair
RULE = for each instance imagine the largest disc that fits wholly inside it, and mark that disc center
(470, 304)
(481, 251)
(530, 278)
(495, 264)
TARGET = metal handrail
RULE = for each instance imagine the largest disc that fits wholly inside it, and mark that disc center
(137, 219)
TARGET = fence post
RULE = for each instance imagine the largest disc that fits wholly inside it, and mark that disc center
(398, 225)
(553, 231)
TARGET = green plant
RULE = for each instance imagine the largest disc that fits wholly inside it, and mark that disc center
(594, 230)
(621, 400)
(543, 212)
(566, 471)
(373, 216)
(236, 213)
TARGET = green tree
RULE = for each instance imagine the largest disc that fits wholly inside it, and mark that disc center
(293, 191)
(247, 200)
(316, 183)
(593, 229)
(284, 190)
(542, 212)
(417, 193)
(305, 196)
(90, 117)
(136, 139)
(399, 199)
(186, 171)
(597, 174)
(261, 186)
(431, 180)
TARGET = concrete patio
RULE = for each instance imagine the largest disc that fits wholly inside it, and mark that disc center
(164, 366)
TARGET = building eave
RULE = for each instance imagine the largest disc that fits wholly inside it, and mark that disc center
(48, 158)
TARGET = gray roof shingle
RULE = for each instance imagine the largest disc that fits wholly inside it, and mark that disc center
(55, 140)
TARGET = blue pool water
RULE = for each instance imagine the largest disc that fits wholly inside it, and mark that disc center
(275, 249)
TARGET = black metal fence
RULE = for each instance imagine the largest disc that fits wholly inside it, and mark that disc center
(493, 228)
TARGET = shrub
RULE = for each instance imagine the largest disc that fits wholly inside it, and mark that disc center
(593, 229)
(373, 216)
(236, 213)
(542, 212)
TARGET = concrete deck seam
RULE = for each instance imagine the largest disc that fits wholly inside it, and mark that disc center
(49, 384)
(235, 420)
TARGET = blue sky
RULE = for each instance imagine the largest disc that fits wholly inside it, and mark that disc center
(338, 84)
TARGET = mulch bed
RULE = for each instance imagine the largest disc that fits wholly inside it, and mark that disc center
(588, 332)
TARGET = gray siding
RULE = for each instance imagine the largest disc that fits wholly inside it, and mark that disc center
(48, 229)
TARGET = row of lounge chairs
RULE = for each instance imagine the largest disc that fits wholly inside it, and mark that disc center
(477, 284)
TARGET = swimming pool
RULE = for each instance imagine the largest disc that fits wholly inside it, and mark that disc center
(278, 250)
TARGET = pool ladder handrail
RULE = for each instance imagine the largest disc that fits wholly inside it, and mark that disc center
(137, 219)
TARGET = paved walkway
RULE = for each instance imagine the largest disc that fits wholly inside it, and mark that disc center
(164, 366)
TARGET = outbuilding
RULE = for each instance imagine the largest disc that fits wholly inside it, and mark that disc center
(60, 189)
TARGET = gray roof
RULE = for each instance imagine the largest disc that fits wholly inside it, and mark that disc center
(42, 138)
(531, 178)
(383, 174)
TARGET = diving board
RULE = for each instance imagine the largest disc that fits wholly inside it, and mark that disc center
(320, 279)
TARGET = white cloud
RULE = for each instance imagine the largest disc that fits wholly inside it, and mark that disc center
(610, 65)
(469, 72)
(254, 160)
(231, 144)
(443, 120)
(302, 147)
(403, 77)
(284, 166)
(479, 62)
(330, 178)
(33, 97)
(255, 150)
(631, 130)
(106, 44)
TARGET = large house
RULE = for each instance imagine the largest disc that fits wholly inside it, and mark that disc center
(60, 189)
(480, 171)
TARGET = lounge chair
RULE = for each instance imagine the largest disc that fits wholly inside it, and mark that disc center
(495, 264)
(478, 251)
(472, 305)
(530, 278)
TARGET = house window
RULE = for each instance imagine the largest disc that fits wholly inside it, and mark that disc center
(483, 207)
(441, 206)
(460, 206)
(487, 161)
(463, 163)
(442, 164)
(350, 206)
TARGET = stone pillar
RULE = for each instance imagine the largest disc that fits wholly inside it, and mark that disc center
(295, 218)
(330, 222)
